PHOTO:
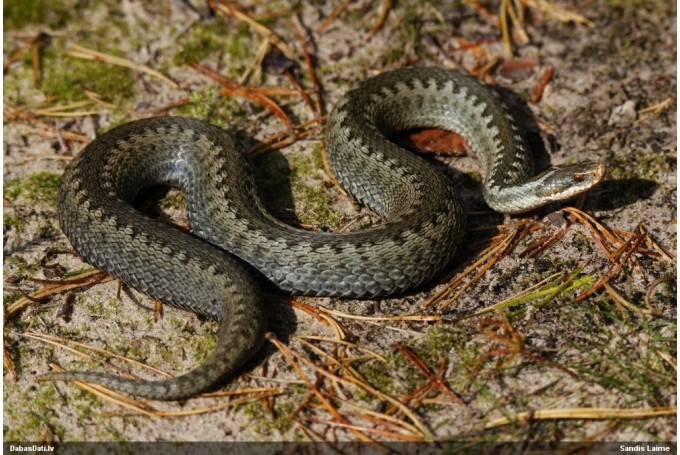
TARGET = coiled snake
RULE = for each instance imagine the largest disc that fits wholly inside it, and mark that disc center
(206, 272)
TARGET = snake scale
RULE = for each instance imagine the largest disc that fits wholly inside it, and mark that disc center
(212, 272)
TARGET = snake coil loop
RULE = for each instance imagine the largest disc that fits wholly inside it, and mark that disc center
(424, 221)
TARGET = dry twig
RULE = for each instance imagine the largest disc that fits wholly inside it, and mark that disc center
(90, 54)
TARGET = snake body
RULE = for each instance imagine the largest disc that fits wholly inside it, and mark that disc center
(234, 238)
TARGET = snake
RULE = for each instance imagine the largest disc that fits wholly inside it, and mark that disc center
(235, 243)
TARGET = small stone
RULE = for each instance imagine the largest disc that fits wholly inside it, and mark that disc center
(623, 115)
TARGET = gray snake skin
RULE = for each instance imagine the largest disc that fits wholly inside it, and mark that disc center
(212, 272)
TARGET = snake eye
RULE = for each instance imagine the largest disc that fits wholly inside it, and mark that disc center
(579, 178)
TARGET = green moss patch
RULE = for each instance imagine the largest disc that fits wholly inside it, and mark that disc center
(20, 13)
(41, 186)
(67, 78)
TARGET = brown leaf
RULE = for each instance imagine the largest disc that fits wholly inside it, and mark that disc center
(432, 140)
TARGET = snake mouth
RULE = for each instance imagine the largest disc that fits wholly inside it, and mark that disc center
(595, 174)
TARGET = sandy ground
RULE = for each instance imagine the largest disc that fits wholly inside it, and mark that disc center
(611, 99)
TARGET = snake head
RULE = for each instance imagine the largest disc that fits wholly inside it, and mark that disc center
(566, 181)
(555, 184)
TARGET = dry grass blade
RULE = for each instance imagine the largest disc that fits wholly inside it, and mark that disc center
(288, 355)
(310, 66)
(93, 99)
(383, 419)
(111, 395)
(405, 431)
(334, 15)
(512, 17)
(340, 331)
(90, 54)
(653, 245)
(631, 246)
(543, 243)
(35, 60)
(546, 290)
(537, 94)
(413, 317)
(255, 95)
(429, 374)
(355, 378)
(228, 9)
(621, 300)
(386, 5)
(661, 105)
(260, 395)
(652, 287)
(301, 91)
(419, 395)
(285, 138)
(64, 343)
(139, 406)
(67, 110)
(25, 47)
(583, 413)
(511, 12)
(364, 429)
(7, 360)
(499, 247)
(57, 287)
(12, 114)
(609, 241)
(483, 11)
(351, 378)
(343, 343)
(331, 360)
(311, 434)
(34, 44)
(505, 348)
(669, 359)
(329, 173)
(558, 12)
(335, 363)
(619, 258)
(163, 110)
(645, 114)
